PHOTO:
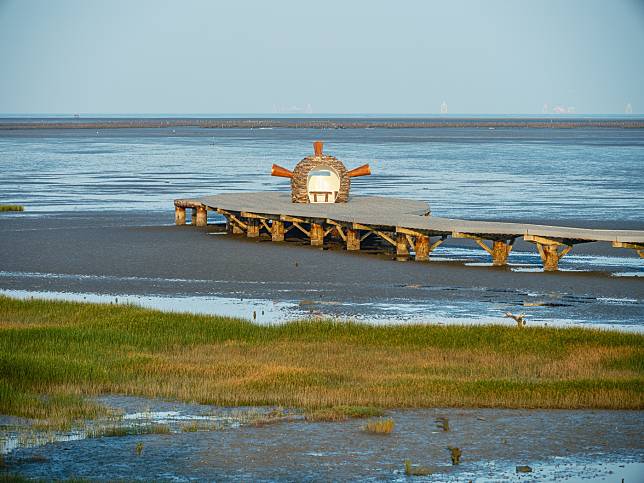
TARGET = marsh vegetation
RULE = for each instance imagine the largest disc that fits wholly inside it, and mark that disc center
(11, 208)
(55, 354)
(380, 426)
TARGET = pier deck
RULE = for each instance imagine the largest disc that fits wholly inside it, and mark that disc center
(405, 224)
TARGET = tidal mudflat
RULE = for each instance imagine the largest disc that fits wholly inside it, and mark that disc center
(115, 256)
(272, 443)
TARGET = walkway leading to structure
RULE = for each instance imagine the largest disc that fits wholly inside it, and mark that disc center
(405, 224)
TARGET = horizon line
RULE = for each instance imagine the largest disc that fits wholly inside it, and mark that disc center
(76, 115)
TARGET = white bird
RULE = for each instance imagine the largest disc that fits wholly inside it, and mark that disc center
(520, 319)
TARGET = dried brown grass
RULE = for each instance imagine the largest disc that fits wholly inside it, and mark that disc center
(380, 426)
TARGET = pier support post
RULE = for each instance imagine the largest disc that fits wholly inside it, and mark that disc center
(253, 228)
(500, 252)
(402, 252)
(500, 248)
(277, 231)
(549, 251)
(317, 235)
(201, 216)
(353, 239)
(549, 256)
(421, 247)
(421, 242)
(179, 215)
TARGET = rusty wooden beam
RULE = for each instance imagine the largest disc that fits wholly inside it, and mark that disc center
(353, 239)
(277, 231)
(200, 215)
(316, 234)
(179, 215)
(402, 252)
(252, 228)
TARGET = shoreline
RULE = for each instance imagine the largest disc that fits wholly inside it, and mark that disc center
(8, 124)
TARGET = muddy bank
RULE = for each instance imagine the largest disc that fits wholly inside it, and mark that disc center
(556, 445)
(116, 253)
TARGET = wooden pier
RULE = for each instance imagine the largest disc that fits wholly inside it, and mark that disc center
(404, 224)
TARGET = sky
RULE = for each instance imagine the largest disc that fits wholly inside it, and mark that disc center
(396, 57)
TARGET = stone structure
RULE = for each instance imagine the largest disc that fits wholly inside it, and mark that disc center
(320, 178)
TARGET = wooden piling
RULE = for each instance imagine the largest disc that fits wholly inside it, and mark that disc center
(549, 256)
(421, 247)
(548, 249)
(252, 230)
(201, 216)
(277, 231)
(402, 252)
(500, 249)
(353, 239)
(317, 235)
(500, 252)
(179, 215)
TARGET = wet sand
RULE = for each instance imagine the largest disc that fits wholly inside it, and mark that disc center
(119, 245)
(136, 253)
(557, 445)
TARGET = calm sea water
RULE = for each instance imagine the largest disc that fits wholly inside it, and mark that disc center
(545, 174)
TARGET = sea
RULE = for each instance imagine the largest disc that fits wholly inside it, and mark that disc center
(589, 175)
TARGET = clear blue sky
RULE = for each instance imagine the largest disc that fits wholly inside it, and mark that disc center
(85, 56)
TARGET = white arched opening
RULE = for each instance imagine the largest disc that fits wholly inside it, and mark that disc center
(322, 185)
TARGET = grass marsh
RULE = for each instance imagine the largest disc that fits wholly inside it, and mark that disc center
(54, 354)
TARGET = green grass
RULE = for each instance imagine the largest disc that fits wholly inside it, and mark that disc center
(12, 208)
(55, 354)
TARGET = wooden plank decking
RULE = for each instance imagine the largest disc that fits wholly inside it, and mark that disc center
(406, 224)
